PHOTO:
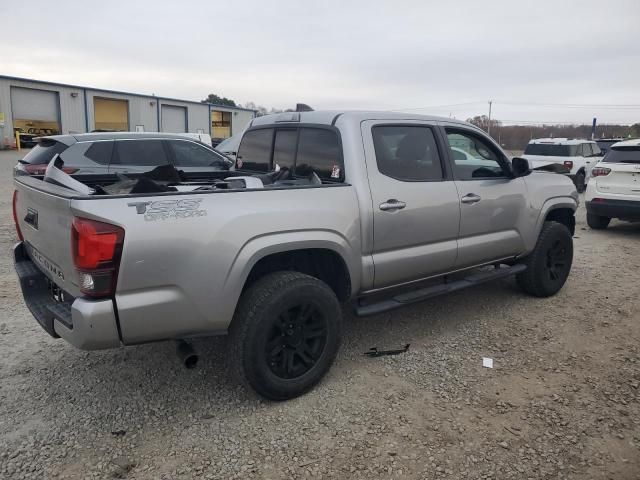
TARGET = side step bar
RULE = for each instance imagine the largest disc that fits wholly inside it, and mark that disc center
(403, 299)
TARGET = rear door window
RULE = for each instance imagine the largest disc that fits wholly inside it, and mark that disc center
(407, 153)
(319, 151)
(144, 153)
(255, 150)
(191, 154)
(100, 152)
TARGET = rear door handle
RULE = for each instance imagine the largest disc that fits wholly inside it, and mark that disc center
(470, 198)
(392, 204)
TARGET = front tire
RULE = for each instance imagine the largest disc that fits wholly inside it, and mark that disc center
(285, 334)
(597, 222)
(549, 264)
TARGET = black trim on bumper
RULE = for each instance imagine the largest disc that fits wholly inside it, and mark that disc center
(36, 290)
(624, 209)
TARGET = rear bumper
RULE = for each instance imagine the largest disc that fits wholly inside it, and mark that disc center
(85, 324)
(624, 209)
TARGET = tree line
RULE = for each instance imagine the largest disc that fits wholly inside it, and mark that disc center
(511, 137)
(516, 137)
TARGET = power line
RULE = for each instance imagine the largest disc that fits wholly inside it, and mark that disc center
(436, 106)
(571, 105)
(554, 122)
(526, 103)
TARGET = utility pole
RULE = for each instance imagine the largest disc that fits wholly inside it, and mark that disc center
(489, 126)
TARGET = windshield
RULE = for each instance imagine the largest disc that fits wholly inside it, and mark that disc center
(623, 155)
(550, 150)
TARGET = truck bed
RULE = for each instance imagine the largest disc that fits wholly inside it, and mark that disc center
(185, 255)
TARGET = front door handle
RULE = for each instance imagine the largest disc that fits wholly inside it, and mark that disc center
(470, 198)
(392, 204)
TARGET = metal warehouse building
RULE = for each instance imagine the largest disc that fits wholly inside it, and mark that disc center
(44, 108)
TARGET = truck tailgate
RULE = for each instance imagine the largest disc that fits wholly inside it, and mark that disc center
(43, 213)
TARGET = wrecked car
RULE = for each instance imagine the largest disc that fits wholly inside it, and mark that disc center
(122, 152)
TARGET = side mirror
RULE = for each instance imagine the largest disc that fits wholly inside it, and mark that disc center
(520, 166)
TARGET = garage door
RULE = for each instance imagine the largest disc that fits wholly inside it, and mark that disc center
(111, 114)
(174, 119)
(35, 111)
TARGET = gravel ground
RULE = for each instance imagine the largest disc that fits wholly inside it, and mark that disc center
(562, 400)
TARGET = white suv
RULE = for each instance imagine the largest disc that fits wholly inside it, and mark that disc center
(614, 188)
(578, 156)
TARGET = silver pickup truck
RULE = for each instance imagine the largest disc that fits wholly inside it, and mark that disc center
(372, 209)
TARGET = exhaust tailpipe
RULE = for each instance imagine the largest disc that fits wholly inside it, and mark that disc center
(186, 354)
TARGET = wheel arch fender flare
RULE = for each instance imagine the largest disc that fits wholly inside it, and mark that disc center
(262, 246)
(551, 204)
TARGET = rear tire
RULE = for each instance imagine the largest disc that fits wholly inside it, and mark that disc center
(580, 182)
(597, 222)
(549, 264)
(285, 334)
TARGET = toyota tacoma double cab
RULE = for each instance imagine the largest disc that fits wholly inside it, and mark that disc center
(372, 210)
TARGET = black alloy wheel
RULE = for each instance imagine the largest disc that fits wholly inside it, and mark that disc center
(296, 341)
(557, 260)
(285, 334)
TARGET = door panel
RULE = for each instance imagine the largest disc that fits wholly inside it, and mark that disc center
(492, 203)
(489, 227)
(415, 222)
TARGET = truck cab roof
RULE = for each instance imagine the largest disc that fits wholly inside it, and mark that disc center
(330, 117)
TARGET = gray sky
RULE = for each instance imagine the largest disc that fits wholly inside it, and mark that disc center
(390, 55)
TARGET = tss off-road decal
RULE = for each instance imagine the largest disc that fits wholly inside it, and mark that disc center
(168, 209)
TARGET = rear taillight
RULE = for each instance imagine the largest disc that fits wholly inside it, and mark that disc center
(600, 171)
(15, 215)
(97, 247)
(41, 168)
(568, 164)
(35, 169)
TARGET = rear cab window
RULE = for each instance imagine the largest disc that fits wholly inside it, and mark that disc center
(255, 148)
(320, 152)
(284, 148)
(304, 150)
